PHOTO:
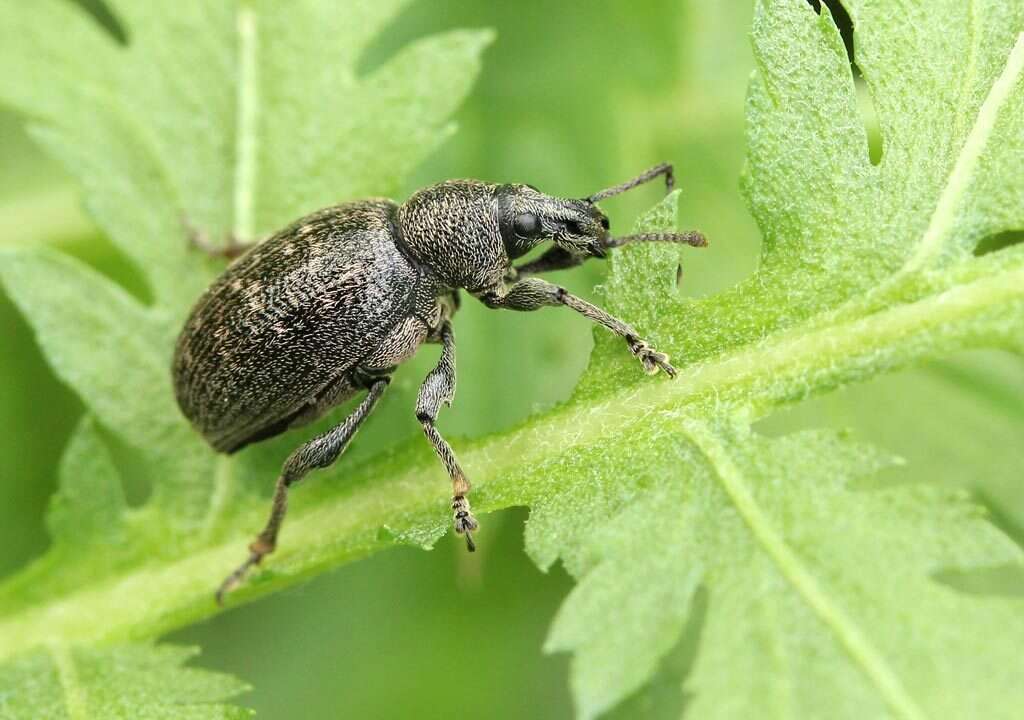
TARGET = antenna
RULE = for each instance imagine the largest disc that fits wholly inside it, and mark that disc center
(644, 177)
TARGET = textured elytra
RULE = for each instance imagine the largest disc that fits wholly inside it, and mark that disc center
(275, 340)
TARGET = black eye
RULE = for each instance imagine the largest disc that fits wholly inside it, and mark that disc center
(527, 225)
(604, 223)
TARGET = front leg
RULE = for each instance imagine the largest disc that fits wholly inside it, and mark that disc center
(534, 293)
(555, 258)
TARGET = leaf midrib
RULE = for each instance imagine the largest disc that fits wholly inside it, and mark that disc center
(848, 632)
(75, 702)
(243, 215)
(942, 221)
(246, 119)
(160, 597)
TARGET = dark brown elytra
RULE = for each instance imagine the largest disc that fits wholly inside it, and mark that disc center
(329, 306)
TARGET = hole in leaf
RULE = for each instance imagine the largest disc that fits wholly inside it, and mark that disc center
(104, 18)
(994, 243)
(843, 22)
(869, 118)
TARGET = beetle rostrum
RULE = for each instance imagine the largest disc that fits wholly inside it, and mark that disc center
(328, 307)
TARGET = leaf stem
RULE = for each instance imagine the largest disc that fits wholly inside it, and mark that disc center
(246, 125)
(343, 523)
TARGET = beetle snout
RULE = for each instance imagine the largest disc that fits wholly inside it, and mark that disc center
(589, 220)
(586, 228)
(599, 227)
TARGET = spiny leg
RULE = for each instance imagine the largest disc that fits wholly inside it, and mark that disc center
(534, 293)
(439, 388)
(555, 258)
(319, 452)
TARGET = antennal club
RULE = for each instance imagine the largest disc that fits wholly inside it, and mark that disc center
(644, 177)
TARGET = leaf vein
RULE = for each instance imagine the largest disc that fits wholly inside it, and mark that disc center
(74, 694)
(855, 642)
(223, 485)
(944, 216)
(246, 119)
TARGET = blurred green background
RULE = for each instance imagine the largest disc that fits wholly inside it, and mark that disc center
(573, 97)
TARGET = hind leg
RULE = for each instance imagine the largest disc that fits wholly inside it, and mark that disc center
(319, 452)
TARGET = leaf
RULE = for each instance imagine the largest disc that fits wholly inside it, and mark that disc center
(955, 421)
(250, 140)
(208, 119)
(823, 591)
(109, 328)
(140, 682)
(642, 548)
(154, 150)
(801, 614)
(857, 244)
(88, 510)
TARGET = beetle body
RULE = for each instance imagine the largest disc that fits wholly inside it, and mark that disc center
(329, 306)
(299, 323)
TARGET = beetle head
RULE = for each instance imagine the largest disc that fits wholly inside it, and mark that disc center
(528, 217)
(467, 231)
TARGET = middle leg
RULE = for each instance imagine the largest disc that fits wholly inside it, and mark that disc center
(439, 389)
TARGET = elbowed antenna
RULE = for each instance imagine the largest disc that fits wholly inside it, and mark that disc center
(644, 177)
(691, 238)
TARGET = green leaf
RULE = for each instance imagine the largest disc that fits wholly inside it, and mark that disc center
(108, 329)
(219, 117)
(955, 421)
(136, 682)
(825, 590)
(843, 239)
(250, 141)
(88, 510)
(801, 614)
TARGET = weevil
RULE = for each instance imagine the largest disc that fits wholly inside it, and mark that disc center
(328, 307)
